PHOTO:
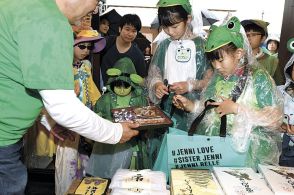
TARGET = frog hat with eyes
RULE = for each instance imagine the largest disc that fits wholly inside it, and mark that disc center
(224, 34)
(123, 77)
(230, 31)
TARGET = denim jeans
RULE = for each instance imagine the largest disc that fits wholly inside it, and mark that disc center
(13, 173)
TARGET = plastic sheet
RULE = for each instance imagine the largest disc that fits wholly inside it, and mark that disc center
(260, 111)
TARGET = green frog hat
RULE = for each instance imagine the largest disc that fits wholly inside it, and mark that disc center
(196, 23)
(123, 70)
(229, 32)
(184, 3)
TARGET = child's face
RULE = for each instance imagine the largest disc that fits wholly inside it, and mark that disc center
(272, 46)
(128, 33)
(176, 31)
(227, 65)
(122, 90)
(254, 38)
(82, 50)
(104, 26)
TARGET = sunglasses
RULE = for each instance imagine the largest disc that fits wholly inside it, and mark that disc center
(89, 47)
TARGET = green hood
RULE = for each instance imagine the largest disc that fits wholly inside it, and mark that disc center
(225, 34)
(184, 3)
(124, 70)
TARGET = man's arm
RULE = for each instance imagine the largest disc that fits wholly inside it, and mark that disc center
(67, 110)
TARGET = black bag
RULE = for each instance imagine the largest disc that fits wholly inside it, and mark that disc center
(287, 155)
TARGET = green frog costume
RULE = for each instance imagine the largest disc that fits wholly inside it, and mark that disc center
(105, 158)
(260, 106)
(259, 116)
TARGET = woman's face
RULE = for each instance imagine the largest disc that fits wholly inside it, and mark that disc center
(104, 26)
(227, 65)
(176, 31)
(82, 50)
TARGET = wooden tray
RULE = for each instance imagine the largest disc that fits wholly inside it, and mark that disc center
(149, 117)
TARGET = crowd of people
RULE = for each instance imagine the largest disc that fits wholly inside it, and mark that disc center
(46, 75)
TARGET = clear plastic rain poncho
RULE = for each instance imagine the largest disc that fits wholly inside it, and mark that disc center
(260, 109)
(180, 60)
(288, 89)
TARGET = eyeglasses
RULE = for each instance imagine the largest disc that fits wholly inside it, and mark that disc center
(252, 34)
(89, 47)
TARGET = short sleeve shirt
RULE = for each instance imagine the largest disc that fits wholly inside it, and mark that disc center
(36, 53)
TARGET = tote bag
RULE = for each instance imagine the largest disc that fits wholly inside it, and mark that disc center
(184, 150)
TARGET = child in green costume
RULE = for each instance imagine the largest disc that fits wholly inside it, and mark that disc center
(179, 59)
(124, 90)
(243, 92)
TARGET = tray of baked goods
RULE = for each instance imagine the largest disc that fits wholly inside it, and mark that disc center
(148, 117)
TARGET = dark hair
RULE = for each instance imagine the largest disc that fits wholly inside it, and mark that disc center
(168, 16)
(119, 83)
(270, 40)
(255, 28)
(103, 17)
(218, 53)
(131, 19)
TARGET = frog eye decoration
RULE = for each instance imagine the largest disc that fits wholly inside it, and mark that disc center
(113, 72)
(290, 45)
(234, 24)
(136, 78)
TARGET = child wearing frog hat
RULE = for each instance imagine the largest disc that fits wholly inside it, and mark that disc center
(124, 89)
(182, 53)
(243, 92)
(178, 62)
